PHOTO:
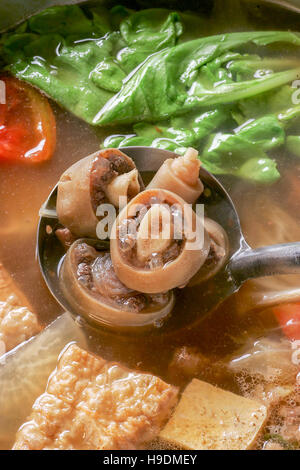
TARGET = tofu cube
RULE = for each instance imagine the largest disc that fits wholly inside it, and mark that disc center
(209, 418)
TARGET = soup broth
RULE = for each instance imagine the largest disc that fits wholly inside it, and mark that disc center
(218, 337)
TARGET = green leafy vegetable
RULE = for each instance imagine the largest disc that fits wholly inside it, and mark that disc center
(229, 95)
(169, 82)
(244, 152)
(64, 20)
(178, 133)
(72, 76)
(108, 75)
(152, 30)
(146, 32)
(261, 170)
(273, 101)
(83, 74)
(290, 116)
(293, 144)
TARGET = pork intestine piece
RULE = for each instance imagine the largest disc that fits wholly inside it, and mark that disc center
(103, 177)
(147, 245)
(105, 279)
(218, 253)
(123, 186)
(181, 176)
(92, 289)
(179, 259)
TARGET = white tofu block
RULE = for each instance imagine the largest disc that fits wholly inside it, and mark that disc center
(209, 418)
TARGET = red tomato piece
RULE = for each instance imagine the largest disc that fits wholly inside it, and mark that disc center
(27, 124)
(288, 317)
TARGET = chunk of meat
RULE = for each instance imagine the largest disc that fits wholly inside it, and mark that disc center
(90, 403)
(65, 237)
(105, 279)
(105, 168)
(95, 272)
(17, 322)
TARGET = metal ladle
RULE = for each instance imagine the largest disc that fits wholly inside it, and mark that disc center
(243, 262)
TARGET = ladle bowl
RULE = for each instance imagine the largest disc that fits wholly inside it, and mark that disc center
(243, 262)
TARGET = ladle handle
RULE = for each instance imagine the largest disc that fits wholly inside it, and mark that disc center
(265, 261)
